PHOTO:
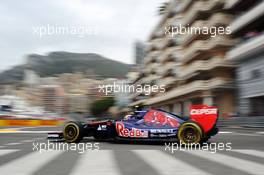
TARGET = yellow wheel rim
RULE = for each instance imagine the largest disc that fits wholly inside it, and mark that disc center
(71, 132)
(189, 133)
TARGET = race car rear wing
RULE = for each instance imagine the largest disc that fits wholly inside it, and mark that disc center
(206, 116)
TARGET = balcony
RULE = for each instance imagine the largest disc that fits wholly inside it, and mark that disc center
(186, 39)
(184, 5)
(204, 65)
(158, 43)
(250, 16)
(150, 79)
(200, 8)
(200, 85)
(151, 68)
(176, 20)
(151, 57)
(170, 54)
(167, 81)
(167, 68)
(217, 19)
(245, 49)
(202, 46)
(231, 3)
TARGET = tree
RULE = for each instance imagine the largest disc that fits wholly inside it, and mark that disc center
(100, 107)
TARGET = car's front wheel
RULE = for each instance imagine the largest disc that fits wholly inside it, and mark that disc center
(73, 132)
(190, 133)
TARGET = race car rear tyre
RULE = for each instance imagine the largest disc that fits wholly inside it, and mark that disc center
(190, 133)
(73, 132)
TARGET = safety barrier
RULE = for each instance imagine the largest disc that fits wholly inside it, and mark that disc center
(30, 122)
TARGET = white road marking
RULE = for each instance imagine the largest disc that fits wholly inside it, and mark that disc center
(27, 141)
(260, 132)
(166, 164)
(248, 134)
(14, 143)
(99, 162)
(6, 151)
(28, 164)
(250, 152)
(233, 162)
(243, 134)
(225, 132)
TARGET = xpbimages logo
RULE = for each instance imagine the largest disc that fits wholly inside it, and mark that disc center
(211, 147)
(60, 30)
(173, 31)
(62, 146)
(127, 88)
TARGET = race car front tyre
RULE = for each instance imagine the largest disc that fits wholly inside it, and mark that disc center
(190, 133)
(73, 132)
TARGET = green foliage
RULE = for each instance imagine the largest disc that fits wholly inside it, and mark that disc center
(100, 107)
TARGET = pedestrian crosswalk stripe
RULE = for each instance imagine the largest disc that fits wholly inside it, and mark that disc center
(28, 164)
(166, 164)
(250, 152)
(6, 151)
(240, 164)
(103, 162)
(99, 162)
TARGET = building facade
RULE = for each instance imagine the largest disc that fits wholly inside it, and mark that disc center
(140, 52)
(193, 67)
(249, 55)
(53, 98)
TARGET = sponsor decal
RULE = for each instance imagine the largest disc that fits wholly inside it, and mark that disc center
(134, 132)
(161, 131)
(203, 111)
(101, 127)
(158, 117)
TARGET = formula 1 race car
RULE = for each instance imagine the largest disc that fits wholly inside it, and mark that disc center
(146, 125)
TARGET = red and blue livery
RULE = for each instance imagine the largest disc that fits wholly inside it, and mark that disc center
(147, 125)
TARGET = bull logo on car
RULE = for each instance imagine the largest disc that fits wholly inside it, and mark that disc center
(158, 117)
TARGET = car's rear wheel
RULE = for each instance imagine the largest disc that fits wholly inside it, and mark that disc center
(190, 132)
(73, 132)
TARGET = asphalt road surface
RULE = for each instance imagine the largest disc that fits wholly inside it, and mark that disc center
(25, 150)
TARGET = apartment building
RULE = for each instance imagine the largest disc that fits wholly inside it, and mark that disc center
(53, 98)
(140, 52)
(249, 55)
(193, 67)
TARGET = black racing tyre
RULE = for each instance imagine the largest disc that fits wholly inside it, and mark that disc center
(73, 132)
(190, 133)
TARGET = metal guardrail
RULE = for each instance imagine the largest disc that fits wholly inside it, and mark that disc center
(252, 121)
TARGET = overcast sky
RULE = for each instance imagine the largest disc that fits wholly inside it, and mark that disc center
(112, 27)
